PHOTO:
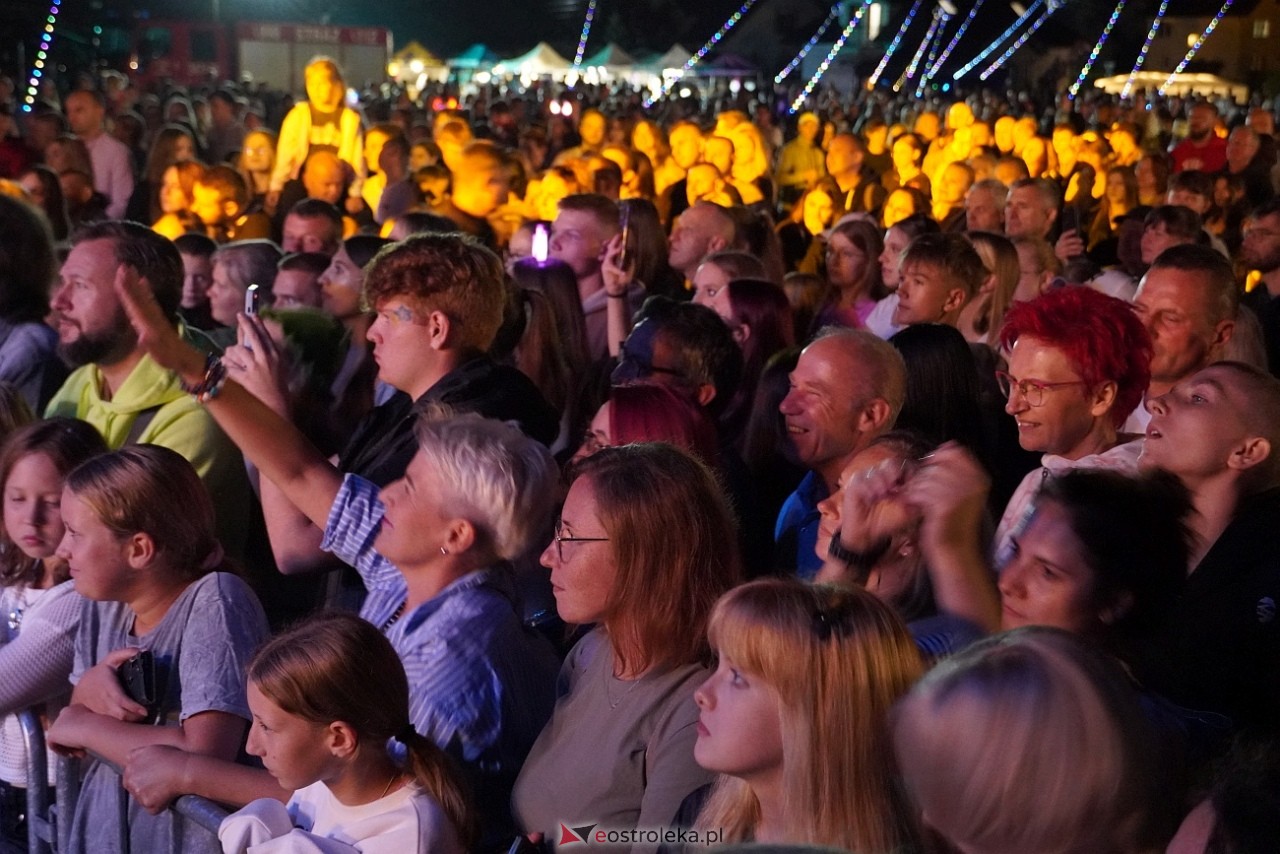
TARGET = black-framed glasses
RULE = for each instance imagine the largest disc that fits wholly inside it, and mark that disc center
(561, 539)
(1033, 391)
(631, 368)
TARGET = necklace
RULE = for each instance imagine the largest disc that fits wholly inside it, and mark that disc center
(609, 678)
(396, 616)
(394, 777)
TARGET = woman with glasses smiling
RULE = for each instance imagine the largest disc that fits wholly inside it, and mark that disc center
(1078, 364)
(643, 548)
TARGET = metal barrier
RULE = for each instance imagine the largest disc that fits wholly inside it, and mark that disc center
(49, 825)
(40, 833)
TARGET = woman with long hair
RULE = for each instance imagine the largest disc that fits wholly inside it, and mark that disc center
(1119, 199)
(334, 687)
(981, 319)
(552, 350)
(795, 720)
(801, 233)
(644, 546)
(172, 144)
(35, 588)
(853, 275)
(257, 160)
(177, 193)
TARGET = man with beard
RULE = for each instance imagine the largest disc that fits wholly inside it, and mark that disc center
(115, 386)
(1261, 251)
(1203, 149)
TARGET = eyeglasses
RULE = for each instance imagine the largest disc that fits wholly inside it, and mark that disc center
(1032, 391)
(561, 539)
(632, 367)
(591, 443)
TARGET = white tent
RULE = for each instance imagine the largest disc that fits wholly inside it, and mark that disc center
(542, 60)
(673, 60)
(1182, 84)
(611, 57)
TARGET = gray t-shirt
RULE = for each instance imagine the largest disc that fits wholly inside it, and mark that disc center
(617, 754)
(202, 648)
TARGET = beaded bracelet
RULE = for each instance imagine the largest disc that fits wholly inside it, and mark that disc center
(215, 376)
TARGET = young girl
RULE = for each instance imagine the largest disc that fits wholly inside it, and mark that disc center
(326, 697)
(795, 718)
(139, 543)
(35, 593)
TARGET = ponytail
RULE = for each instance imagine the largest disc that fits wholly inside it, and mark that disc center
(433, 770)
(338, 667)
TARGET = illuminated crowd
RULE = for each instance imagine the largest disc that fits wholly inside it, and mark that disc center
(512, 467)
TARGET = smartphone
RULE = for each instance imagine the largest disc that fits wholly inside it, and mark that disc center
(138, 679)
(625, 222)
(251, 301)
(1070, 219)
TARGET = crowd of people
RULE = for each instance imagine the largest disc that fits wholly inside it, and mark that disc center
(411, 478)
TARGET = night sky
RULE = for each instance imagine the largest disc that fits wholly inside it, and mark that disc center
(513, 26)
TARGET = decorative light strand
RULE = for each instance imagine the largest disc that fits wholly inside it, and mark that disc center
(934, 44)
(1146, 46)
(586, 31)
(831, 55)
(991, 48)
(910, 71)
(702, 51)
(1213, 25)
(1097, 49)
(946, 54)
(804, 51)
(1022, 39)
(893, 45)
(42, 55)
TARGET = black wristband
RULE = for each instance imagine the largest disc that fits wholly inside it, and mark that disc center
(859, 562)
(615, 296)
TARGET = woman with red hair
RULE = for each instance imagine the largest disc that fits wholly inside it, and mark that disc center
(1079, 362)
(646, 412)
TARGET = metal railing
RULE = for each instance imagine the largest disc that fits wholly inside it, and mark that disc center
(49, 825)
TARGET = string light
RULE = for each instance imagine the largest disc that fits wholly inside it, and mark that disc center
(831, 55)
(934, 44)
(991, 48)
(702, 51)
(1146, 46)
(893, 45)
(586, 31)
(1213, 25)
(1097, 49)
(804, 51)
(910, 71)
(946, 54)
(1022, 39)
(37, 68)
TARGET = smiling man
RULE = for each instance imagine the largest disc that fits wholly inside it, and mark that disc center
(848, 388)
(1079, 362)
